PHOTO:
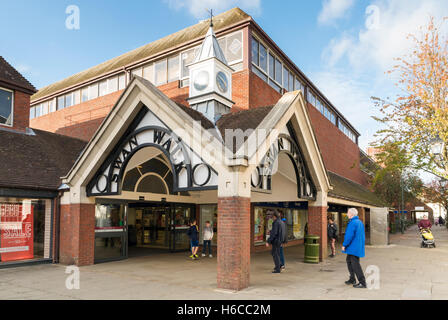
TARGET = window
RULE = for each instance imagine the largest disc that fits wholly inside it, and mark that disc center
(6, 107)
(93, 91)
(187, 58)
(160, 76)
(233, 47)
(137, 72)
(291, 82)
(173, 68)
(263, 58)
(311, 97)
(271, 66)
(112, 84)
(85, 94)
(103, 88)
(121, 82)
(298, 85)
(148, 72)
(255, 53)
(44, 108)
(259, 55)
(32, 112)
(61, 103)
(26, 229)
(285, 78)
(278, 71)
(76, 97)
(52, 105)
(68, 100)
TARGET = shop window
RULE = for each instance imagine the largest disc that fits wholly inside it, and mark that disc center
(296, 221)
(6, 107)
(109, 216)
(26, 229)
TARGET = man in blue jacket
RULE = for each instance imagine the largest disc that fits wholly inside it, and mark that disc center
(353, 246)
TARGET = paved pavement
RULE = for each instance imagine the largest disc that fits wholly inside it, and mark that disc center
(406, 271)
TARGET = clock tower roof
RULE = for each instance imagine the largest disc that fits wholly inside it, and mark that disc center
(210, 48)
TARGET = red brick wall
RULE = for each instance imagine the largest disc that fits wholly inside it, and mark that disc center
(234, 234)
(21, 112)
(261, 93)
(340, 154)
(317, 225)
(77, 234)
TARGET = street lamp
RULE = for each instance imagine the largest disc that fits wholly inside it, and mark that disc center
(437, 147)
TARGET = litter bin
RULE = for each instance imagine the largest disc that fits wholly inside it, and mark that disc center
(312, 249)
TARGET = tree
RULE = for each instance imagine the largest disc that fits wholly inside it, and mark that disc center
(394, 182)
(436, 193)
(419, 114)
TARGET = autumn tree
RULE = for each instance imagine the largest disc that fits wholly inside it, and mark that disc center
(436, 193)
(394, 182)
(419, 114)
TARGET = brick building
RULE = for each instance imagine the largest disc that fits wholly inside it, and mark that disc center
(213, 123)
(31, 164)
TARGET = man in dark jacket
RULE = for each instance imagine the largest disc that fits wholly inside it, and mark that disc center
(285, 240)
(275, 240)
(332, 233)
(354, 247)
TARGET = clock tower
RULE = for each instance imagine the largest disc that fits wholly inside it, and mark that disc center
(210, 79)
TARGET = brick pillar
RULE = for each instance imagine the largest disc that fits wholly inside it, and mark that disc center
(233, 243)
(317, 222)
(77, 234)
(234, 226)
(317, 225)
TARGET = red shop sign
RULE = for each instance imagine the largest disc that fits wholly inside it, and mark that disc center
(16, 236)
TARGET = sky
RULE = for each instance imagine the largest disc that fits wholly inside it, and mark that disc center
(344, 46)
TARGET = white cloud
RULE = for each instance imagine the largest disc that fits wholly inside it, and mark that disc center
(355, 62)
(197, 8)
(376, 47)
(333, 10)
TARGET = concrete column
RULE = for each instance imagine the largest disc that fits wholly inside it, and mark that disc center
(234, 229)
(77, 234)
(317, 222)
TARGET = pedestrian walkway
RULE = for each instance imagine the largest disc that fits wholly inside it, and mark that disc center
(406, 272)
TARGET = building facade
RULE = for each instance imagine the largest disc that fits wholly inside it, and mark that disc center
(213, 123)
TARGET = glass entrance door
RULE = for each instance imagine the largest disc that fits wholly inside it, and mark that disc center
(154, 227)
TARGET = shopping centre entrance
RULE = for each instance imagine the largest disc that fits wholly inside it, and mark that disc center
(140, 228)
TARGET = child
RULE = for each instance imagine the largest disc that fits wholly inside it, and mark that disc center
(193, 233)
(207, 236)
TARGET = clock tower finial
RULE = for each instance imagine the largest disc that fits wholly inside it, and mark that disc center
(210, 78)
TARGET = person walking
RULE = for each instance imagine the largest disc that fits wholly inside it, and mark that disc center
(285, 240)
(353, 246)
(207, 235)
(332, 233)
(275, 239)
(193, 234)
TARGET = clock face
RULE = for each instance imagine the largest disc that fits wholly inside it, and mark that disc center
(221, 82)
(201, 80)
